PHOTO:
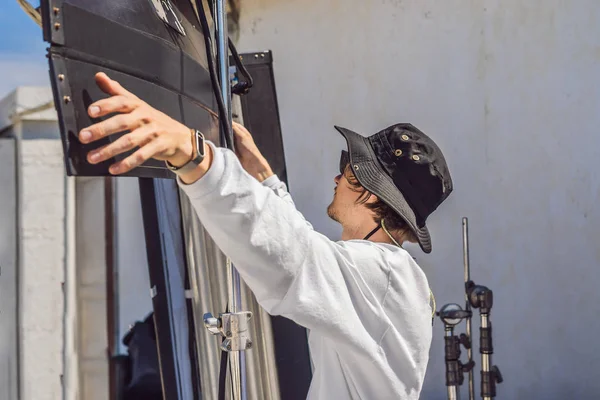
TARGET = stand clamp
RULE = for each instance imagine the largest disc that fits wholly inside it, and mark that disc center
(451, 315)
(480, 297)
(233, 327)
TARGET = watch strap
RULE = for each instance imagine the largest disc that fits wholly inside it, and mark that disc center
(197, 155)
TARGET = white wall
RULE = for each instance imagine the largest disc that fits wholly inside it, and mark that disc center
(135, 302)
(56, 347)
(41, 269)
(510, 91)
(41, 304)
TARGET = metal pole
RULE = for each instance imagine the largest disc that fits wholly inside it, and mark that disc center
(465, 226)
(453, 391)
(485, 357)
(223, 57)
(237, 360)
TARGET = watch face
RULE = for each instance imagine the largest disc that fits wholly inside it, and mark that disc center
(199, 144)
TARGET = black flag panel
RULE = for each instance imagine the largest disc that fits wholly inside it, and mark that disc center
(129, 41)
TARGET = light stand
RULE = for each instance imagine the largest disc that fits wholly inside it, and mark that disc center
(451, 315)
(480, 297)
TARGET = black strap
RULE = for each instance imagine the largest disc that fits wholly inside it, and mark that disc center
(223, 368)
(372, 232)
(223, 374)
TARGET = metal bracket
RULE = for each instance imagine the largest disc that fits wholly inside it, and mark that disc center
(233, 327)
(52, 21)
(64, 104)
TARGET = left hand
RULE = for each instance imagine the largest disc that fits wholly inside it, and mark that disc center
(250, 157)
(157, 135)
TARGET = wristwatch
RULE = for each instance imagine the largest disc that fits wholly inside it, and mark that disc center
(198, 148)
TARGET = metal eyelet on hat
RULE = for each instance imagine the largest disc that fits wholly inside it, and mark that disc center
(398, 152)
(405, 137)
(356, 167)
(416, 157)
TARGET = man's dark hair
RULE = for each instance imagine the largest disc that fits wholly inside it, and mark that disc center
(393, 222)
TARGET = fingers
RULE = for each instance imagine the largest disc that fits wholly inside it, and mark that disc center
(240, 131)
(138, 137)
(138, 158)
(115, 124)
(111, 87)
(113, 104)
(121, 101)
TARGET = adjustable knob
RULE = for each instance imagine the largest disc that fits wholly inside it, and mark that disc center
(212, 324)
(465, 341)
(497, 374)
(468, 366)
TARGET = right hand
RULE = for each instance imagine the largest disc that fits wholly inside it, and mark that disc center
(250, 157)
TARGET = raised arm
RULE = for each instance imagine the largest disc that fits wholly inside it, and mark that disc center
(292, 269)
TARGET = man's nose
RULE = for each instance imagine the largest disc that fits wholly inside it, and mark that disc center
(337, 179)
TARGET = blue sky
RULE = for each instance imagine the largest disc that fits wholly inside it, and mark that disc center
(22, 49)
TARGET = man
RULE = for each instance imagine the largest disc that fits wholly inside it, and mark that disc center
(364, 299)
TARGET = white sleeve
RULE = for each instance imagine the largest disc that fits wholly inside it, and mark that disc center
(279, 187)
(292, 270)
(275, 184)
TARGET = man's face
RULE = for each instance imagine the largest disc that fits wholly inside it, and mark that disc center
(345, 206)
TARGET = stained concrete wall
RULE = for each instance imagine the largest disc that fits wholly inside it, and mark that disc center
(9, 356)
(510, 90)
(91, 328)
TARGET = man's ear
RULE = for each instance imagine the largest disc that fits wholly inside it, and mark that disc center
(373, 199)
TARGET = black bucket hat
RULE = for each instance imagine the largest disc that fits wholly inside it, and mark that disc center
(405, 169)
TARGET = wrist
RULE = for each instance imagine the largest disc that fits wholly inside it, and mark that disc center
(257, 166)
(264, 174)
(184, 152)
(197, 173)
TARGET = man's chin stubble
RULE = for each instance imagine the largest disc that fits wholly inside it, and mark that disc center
(331, 213)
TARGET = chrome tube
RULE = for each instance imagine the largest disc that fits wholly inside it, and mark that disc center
(237, 360)
(465, 232)
(485, 358)
(208, 293)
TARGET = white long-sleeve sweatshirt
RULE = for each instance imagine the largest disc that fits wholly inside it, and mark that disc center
(365, 304)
